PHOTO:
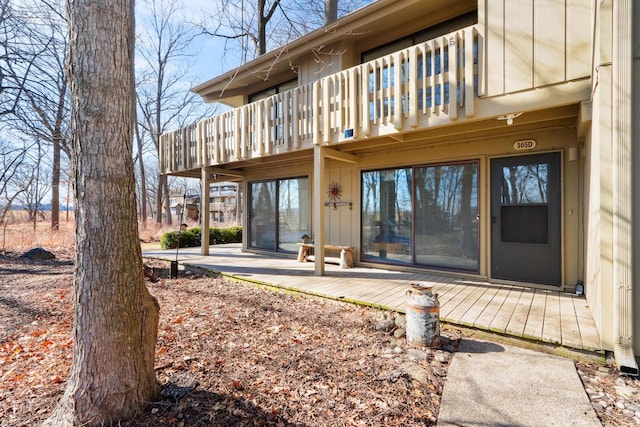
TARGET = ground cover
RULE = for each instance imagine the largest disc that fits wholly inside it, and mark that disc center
(228, 354)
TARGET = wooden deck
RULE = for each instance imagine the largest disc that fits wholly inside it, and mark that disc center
(541, 315)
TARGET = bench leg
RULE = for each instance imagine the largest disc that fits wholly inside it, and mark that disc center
(302, 254)
(346, 259)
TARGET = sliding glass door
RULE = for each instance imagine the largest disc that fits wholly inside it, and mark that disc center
(446, 216)
(423, 215)
(278, 213)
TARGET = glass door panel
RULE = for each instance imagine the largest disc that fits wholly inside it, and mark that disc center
(262, 215)
(446, 216)
(293, 212)
(386, 215)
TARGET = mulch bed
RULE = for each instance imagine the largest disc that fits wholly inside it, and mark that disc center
(228, 354)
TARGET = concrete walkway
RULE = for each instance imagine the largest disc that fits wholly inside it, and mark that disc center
(492, 384)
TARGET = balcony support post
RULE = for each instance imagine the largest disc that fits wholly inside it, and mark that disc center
(204, 211)
(318, 207)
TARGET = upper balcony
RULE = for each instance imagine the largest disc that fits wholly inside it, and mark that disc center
(426, 85)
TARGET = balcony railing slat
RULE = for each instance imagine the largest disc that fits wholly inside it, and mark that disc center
(413, 88)
(406, 89)
(397, 87)
(295, 118)
(453, 77)
(365, 100)
(287, 110)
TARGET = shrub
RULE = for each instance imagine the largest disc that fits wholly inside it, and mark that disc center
(193, 237)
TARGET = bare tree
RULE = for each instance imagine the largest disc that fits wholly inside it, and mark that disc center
(142, 177)
(164, 99)
(115, 317)
(9, 92)
(253, 28)
(35, 183)
(43, 112)
(330, 11)
(15, 174)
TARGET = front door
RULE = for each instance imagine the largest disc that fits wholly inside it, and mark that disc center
(525, 219)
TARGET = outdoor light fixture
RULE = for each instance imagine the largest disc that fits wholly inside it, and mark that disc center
(509, 117)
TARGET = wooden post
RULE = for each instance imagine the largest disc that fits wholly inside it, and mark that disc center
(318, 207)
(204, 212)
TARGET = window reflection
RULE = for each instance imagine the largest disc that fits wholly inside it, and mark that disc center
(262, 216)
(293, 212)
(524, 184)
(386, 215)
(442, 232)
(279, 213)
(446, 210)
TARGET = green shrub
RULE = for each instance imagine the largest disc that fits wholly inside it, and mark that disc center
(232, 234)
(193, 237)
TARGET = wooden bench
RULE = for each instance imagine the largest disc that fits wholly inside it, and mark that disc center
(346, 253)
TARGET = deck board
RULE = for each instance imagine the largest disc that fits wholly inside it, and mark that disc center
(503, 317)
(491, 310)
(472, 314)
(520, 315)
(551, 331)
(588, 331)
(448, 307)
(463, 308)
(535, 321)
(569, 323)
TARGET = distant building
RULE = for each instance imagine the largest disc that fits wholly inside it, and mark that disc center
(223, 202)
(185, 206)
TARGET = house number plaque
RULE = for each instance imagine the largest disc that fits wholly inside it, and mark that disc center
(525, 144)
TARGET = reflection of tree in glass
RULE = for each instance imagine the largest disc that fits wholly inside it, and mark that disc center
(522, 184)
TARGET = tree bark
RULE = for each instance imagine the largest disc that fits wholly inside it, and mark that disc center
(115, 317)
(167, 200)
(143, 180)
(330, 11)
(55, 185)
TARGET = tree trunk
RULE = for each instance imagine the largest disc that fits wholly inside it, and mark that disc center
(115, 317)
(162, 179)
(330, 11)
(167, 200)
(55, 184)
(143, 181)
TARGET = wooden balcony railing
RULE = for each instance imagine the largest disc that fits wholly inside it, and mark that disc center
(221, 207)
(425, 85)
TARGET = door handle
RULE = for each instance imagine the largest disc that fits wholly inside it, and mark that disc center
(493, 219)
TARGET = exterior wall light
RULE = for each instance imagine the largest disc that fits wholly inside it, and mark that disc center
(509, 117)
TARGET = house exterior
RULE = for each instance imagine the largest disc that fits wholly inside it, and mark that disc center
(490, 138)
(185, 206)
(223, 202)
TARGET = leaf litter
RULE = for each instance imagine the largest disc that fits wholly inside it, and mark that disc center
(228, 354)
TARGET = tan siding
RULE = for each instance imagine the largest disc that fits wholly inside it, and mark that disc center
(339, 221)
(518, 57)
(495, 46)
(534, 43)
(579, 23)
(326, 62)
(549, 46)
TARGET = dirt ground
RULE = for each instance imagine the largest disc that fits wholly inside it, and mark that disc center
(232, 354)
